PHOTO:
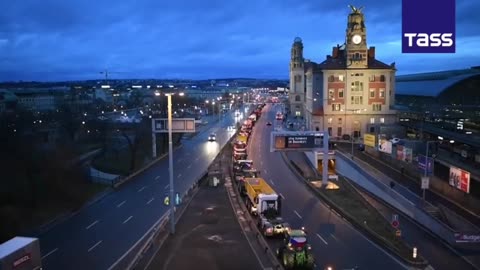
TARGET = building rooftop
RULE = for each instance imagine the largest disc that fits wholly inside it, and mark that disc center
(430, 84)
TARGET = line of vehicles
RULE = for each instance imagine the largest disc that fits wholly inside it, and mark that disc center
(265, 204)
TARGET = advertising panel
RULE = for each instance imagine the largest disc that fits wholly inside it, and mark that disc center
(385, 146)
(369, 140)
(408, 154)
(297, 141)
(459, 179)
(400, 153)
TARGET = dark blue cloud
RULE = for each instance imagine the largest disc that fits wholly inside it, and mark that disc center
(67, 40)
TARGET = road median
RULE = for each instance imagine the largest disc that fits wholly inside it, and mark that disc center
(351, 206)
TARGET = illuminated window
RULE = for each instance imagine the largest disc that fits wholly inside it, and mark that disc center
(336, 107)
(330, 120)
(382, 93)
(382, 120)
(372, 120)
(331, 93)
(356, 100)
(356, 86)
(340, 78)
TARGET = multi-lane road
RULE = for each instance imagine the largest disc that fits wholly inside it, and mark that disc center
(335, 242)
(97, 236)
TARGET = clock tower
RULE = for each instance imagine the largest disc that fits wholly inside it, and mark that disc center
(356, 40)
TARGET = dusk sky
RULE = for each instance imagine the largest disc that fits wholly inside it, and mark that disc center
(49, 40)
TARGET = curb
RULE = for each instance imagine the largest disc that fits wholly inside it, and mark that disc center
(351, 220)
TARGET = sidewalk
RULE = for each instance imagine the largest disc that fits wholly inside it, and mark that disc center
(410, 179)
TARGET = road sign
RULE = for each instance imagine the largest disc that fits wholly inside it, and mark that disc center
(425, 182)
(179, 125)
(425, 164)
(296, 141)
(395, 222)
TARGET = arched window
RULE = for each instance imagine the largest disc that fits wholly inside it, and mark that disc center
(298, 98)
(382, 78)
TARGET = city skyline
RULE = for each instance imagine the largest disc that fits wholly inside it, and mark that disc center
(56, 40)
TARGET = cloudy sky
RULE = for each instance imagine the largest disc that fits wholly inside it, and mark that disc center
(73, 40)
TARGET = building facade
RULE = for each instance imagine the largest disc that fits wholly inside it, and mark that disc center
(350, 92)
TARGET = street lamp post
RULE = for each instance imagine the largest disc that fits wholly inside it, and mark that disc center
(170, 164)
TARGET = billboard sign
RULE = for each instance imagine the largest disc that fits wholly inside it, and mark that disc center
(369, 140)
(179, 125)
(296, 141)
(459, 179)
(421, 164)
(385, 146)
(421, 33)
(400, 153)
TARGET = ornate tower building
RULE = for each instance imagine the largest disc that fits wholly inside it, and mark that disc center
(356, 40)
(297, 79)
(351, 92)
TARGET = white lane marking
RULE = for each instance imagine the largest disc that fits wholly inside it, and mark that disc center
(126, 220)
(321, 238)
(49, 253)
(91, 225)
(151, 200)
(281, 195)
(94, 246)
(179, 175)
(273, 183)
(333, 236)
(157, 177)
(296, 213)
(120, 204)
(167, 186)
(189, 166)
(141, 189)
(265, 171)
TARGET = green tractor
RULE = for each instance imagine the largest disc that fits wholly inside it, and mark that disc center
(296, 253)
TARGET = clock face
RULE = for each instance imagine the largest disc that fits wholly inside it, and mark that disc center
(357, 39)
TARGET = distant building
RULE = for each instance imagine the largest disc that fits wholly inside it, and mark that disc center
(40, 99)
(8, 100)
(350, 93)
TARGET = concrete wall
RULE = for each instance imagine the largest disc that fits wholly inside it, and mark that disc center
(351, 170)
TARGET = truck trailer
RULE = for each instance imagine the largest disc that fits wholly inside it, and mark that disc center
(20, 253)
(262, 201)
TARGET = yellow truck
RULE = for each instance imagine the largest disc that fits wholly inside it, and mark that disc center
(242, 138)
(265, 203)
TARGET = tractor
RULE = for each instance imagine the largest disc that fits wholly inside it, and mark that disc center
(296, 253)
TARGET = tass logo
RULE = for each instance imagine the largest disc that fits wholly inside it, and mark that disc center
(429, 40)
(428, 26)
